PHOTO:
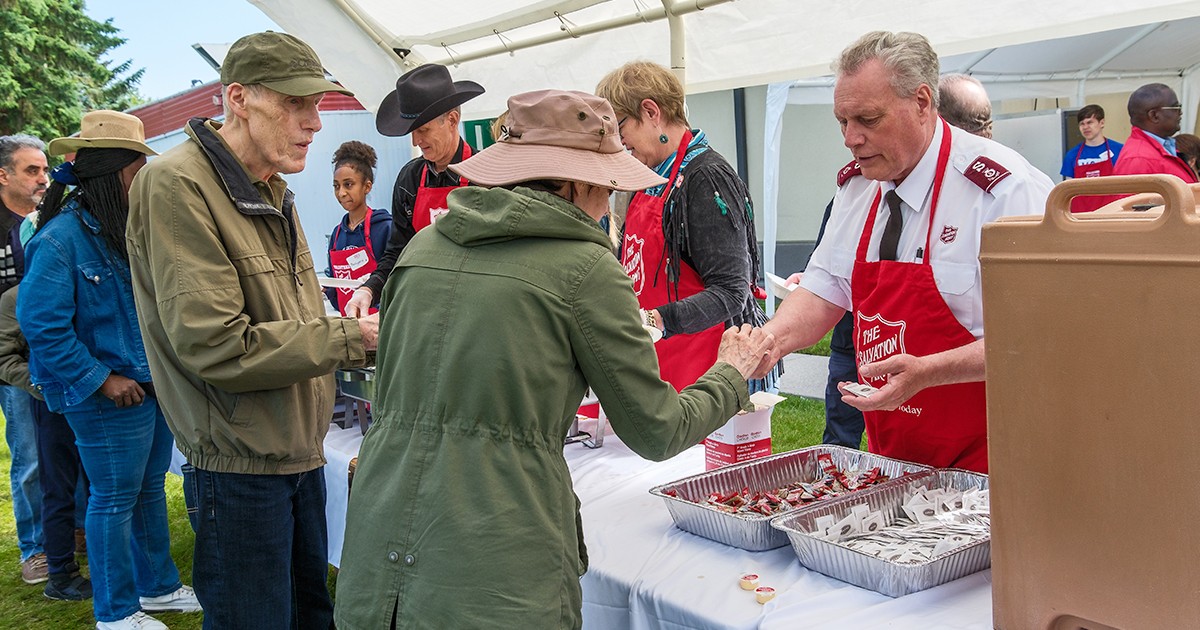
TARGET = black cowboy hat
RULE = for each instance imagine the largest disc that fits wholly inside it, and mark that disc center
(422, 94)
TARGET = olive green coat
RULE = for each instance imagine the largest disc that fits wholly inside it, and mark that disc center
(494, 323)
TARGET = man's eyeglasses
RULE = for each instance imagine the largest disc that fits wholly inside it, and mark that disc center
(1178, 108)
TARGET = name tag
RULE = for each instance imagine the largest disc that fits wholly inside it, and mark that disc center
(435, 213)
(357, 259)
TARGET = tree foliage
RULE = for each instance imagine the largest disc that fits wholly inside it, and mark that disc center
(50, 67)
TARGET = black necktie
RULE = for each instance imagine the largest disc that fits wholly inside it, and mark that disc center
(891, 231)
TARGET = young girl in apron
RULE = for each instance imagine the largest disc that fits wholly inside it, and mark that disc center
(363, 233)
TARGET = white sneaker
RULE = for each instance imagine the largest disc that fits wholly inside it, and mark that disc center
(182, 600)
(137, 621)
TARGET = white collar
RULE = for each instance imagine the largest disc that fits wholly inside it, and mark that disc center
(914, 190)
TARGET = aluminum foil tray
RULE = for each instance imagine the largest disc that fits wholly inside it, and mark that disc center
(877, 574)
(753, 532)
(357, 383)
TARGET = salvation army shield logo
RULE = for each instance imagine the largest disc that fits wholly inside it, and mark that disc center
(949, 233)
(876, 338)
(631, 260)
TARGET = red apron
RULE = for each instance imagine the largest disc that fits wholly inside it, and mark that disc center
(681, 358)
(1103, 168)
(898, 310)
(431, 202)
(353, 263)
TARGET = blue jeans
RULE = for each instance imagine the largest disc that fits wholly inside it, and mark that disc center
(261, 555)
(60, 471)
(126, 452)
(21, 435)
(843, 423)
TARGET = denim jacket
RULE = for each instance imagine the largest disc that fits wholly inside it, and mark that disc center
(82, 325)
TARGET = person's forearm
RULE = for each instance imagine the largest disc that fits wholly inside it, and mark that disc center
(713, 305)
(801, 320)
(401, 233)
(964, 364)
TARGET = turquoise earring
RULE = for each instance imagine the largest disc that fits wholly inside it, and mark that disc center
(662, 137)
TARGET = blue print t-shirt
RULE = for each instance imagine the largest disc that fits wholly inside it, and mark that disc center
(1083, 155)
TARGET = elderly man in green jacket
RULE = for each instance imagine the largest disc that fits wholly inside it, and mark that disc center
(239, 345)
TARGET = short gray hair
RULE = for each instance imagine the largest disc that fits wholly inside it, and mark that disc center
(908, 56)
(253, 88)
(11, 144)
(961, 108)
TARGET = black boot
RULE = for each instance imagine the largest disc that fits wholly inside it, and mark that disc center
(69, 586)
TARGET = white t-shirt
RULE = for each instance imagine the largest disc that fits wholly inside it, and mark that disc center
(963, 209)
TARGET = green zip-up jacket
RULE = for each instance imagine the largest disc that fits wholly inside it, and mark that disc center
(232, 316)
(493, 325)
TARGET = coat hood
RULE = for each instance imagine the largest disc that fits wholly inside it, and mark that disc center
(481, 216)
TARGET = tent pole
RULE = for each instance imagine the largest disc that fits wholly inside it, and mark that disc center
(677, 8)
(370, 30)
(678, 41)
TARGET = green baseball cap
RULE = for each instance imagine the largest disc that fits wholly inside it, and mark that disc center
(278, 61)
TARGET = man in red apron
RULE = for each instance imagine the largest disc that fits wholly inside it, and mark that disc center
(901, 253)
(1094, 157)
(424, 104)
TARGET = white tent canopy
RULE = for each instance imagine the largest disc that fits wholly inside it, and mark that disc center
(1105, 62)
(1018, 48)
(727, 44)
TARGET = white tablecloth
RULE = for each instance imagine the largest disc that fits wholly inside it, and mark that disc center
(647, 574)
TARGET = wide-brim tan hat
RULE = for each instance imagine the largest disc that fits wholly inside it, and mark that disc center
(105, 129)
(559, 134)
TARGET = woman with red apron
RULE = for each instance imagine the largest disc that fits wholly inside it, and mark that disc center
(352, 252)
(694, 237)
(682, 358)
(898, 309)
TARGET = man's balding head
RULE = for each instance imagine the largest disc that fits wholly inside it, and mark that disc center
(965, 104)
(1155, 108)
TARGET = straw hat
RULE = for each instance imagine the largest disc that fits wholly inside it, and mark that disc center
(557, 134)
(105, 129)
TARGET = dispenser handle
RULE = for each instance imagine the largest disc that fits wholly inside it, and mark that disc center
(1178, 197)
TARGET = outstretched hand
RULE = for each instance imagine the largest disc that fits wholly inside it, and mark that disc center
(906, 375)
(748, 349)
(360, 302)
(369, 326)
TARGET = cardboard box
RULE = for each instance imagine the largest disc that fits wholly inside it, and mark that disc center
(746, 436)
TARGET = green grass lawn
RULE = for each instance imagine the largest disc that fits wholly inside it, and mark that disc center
(797, 422)
(24, 605)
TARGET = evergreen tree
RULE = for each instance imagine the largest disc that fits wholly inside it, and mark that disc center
(50, 67)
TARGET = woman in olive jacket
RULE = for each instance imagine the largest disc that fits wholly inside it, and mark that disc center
(463, 515)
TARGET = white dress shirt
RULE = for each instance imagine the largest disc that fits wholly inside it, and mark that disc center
(962, 211)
